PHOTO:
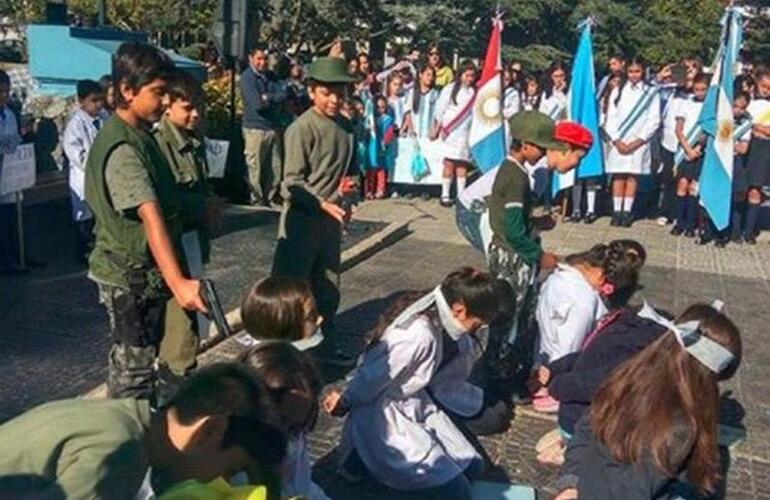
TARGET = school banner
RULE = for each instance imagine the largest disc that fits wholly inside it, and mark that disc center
(402, 169)
(216, 157)
(17, 171)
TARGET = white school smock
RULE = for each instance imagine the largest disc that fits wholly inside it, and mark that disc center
(78, 136)
(644, 128)
(394, 425)
(759, 109)
(397, 108)
(422, 119)
(568, 308)
(9, 141)
(554, 106)
(511, 106)
(669, 140)
(456, 143)
(689, 111)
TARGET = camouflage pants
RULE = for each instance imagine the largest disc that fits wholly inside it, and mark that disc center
(136, 326)
(509, 343)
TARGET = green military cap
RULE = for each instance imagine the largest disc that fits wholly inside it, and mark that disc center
(329, 70)
(536, 128)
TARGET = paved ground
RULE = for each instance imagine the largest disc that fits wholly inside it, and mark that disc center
(54, 335)
(678, 273)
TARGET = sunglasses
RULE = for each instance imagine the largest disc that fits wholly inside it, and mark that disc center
(433, 53)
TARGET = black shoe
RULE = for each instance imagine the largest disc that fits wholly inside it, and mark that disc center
(703, 240)
(689, 233)
(14, 271)
(751, 240)
(590, 218)
(627, 219)
(575, 217)
(737, 239)
(676, 230)
(721, 242)
(446, 202)
(615, 221)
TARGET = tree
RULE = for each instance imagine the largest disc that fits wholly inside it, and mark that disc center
(757, 36)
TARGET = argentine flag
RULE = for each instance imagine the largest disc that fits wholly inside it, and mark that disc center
(716, 119)
(583, 109)
(487, 135)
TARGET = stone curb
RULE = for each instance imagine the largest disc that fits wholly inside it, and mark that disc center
(351, 257)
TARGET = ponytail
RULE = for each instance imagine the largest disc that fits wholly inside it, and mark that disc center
(620, 261)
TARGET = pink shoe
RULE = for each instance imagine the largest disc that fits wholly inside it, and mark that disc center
(545, 405)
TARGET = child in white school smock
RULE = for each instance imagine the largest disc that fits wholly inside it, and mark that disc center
(78, 136)
(758, 157)
(690, 157)
(403, 399)
(453, 114)
(553, 103)
(633, 117)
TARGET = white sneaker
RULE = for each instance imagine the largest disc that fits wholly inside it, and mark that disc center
(662, 221)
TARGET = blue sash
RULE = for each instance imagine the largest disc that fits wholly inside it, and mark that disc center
(741, 129)
(638, 110)
(692, 137)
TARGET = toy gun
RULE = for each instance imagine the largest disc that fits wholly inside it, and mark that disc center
(349, 196)
(216, 314)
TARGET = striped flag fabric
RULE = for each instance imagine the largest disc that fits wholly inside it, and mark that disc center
(715, 182)
(487, 135)
(583, 109)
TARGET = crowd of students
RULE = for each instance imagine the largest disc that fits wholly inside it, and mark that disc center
(636, 392)
(652, 147)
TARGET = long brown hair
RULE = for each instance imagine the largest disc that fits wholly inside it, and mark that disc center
(640, 412)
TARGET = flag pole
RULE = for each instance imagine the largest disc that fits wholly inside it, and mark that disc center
(20, 231)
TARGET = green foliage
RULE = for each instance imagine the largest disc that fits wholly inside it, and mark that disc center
(536, 31)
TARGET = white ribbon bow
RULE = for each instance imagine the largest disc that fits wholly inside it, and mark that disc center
(710, 354)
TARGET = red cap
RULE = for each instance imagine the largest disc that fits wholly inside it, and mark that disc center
(573, 133)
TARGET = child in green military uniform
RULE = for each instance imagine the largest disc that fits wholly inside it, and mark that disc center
(218, 424)
(319, 149)
(137, 259)
(515, 254)
(178, 136)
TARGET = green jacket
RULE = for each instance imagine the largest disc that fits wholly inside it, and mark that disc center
(76, 448)
(510, 205)
(121, 254)
(186, 155)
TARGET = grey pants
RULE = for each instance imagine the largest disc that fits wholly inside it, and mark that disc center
(262, 152)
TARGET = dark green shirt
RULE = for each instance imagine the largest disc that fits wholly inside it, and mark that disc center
(319, 151)
(76, 448)
(510, 205)
(186, 155)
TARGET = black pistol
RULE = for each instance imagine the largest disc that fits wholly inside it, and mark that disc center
(216, 314)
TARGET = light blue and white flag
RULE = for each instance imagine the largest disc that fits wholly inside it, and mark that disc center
(583, 109)
(715, 183)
